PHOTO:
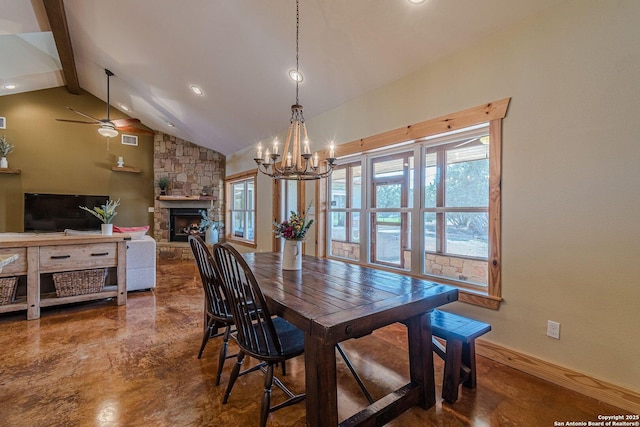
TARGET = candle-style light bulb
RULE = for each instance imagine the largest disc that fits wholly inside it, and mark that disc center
(314, 162)
(332, 152)
(288, 160)
(267, 157)
(259, 153)
(306, 147)
(275, 146)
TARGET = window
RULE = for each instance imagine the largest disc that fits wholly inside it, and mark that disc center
(290, 198)
(392, 182)
(456, 208)
(241, 211)
(345, 203)
(448, 230)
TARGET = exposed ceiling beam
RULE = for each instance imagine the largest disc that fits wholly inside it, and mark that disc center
(60, 30)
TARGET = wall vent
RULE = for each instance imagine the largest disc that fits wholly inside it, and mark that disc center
(3, 123)
(129, 139)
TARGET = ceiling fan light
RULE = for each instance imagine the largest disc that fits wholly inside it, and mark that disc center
(107, 131)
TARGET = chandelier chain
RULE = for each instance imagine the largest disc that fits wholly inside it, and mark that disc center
(297, 162)
(297, 48)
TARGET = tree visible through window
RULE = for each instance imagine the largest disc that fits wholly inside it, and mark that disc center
(449, 229)
(456, 209)
(453, 206)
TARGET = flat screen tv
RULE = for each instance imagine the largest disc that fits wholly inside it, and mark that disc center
(57, 212)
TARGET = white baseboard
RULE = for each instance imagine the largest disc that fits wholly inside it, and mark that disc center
(606, 392)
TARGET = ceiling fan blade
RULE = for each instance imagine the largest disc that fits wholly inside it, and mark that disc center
(466, 142)
(125, 122)
(98, 121)
(77, 121)
(135, 130)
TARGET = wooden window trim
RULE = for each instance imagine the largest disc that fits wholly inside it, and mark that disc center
(493, 113)
(228, 181)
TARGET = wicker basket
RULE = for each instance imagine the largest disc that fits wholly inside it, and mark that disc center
(7, 289)
(80, 282)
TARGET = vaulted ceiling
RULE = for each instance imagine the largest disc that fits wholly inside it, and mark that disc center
(239, 53)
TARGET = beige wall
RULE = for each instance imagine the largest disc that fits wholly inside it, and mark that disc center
(57, 157)
(571, 176)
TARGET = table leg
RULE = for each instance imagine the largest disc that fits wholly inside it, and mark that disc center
(421, 358)
(121, 271)
(33, 283)
(320, 383)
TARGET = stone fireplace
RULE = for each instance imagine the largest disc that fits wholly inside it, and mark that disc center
(196, 176)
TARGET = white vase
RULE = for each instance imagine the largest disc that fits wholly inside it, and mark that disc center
(292, 255)
(107, 229)
(3, 163)
(211, 236)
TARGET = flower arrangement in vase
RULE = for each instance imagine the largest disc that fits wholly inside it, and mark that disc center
(5, 148)
(293, 231)
(105, 213)
(294, 228)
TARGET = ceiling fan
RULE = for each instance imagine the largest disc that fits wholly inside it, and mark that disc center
(484, 140)
(108, 128)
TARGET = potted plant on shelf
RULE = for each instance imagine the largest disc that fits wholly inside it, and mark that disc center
(105, 213)
(163, 184)
(5, 148)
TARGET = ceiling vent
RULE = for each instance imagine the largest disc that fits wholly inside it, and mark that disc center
(3, 123)
(129, 139)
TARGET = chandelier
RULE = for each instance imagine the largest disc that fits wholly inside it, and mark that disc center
(297, 163)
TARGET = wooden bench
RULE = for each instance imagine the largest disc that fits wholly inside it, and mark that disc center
(459, 355)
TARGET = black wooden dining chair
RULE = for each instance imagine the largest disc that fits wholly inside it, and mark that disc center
(271, 340)
(217, 312)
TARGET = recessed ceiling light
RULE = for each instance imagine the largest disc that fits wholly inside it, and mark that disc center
(197, 90)
(124, 107)
(9, 86)
(416, 1)
(296, 75)
(171, 125)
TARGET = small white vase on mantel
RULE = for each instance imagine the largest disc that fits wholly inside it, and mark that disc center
(292, 255)
(3, 163)
(107, 229)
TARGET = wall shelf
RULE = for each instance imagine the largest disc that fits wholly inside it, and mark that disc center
(125, 169)
(9, 170)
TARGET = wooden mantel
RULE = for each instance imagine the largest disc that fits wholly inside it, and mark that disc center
(185, 198)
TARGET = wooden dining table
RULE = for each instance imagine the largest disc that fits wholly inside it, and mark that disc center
(333, 301)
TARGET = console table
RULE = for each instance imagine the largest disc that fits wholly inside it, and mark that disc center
(6, 260)
(42, 253)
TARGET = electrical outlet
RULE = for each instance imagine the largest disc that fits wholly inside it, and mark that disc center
(150, 209)
(553, 329)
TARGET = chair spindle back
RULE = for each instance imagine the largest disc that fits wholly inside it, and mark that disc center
(255, 331)
(210, 280)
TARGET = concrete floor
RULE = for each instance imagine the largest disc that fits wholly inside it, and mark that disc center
(98, 364)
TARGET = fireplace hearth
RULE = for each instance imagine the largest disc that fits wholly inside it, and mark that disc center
(183, 223)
